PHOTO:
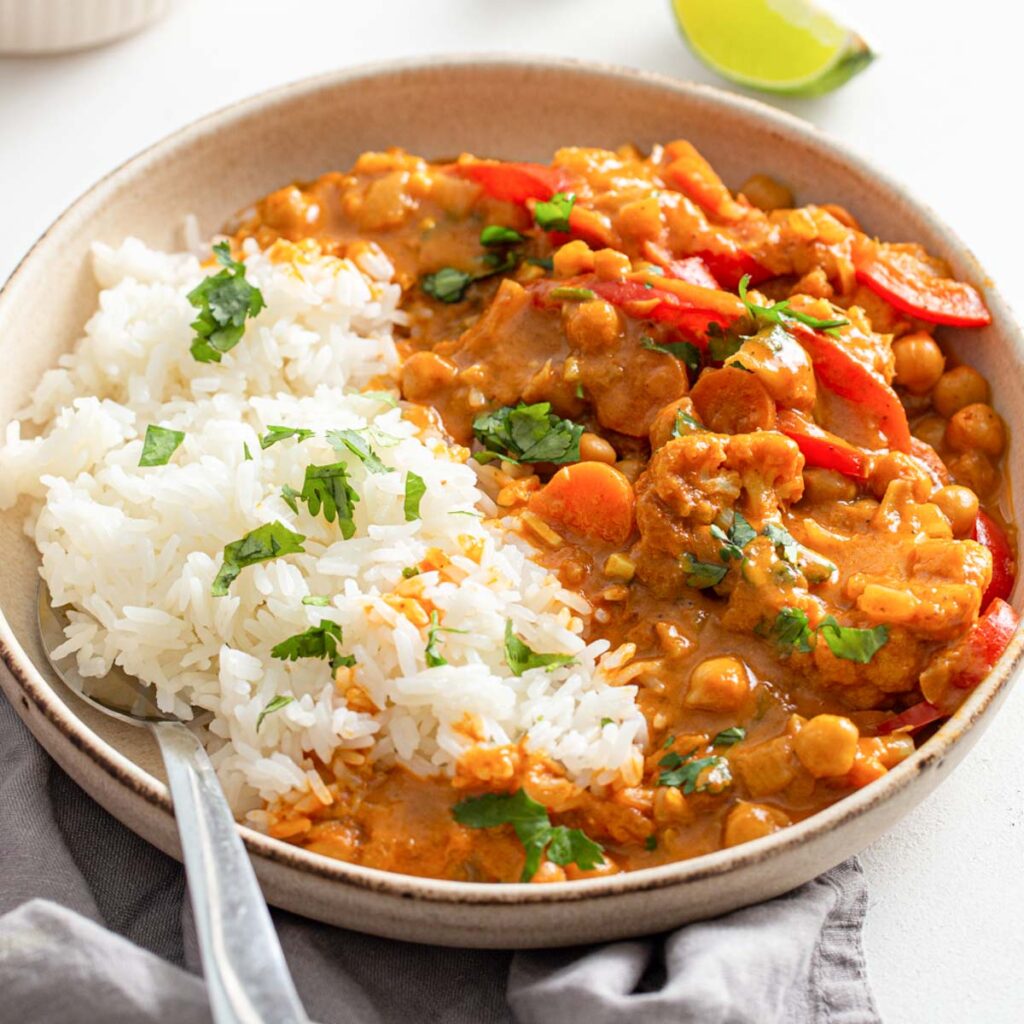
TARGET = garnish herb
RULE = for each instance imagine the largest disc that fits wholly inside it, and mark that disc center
(533, 828)
(651, 843)
(721, 345)
(275, 434)
(246, 454)
(685, 420)
(495, 234)
(607, 721)
(573, 294)
(327, 487)
(544, 262)
(706, 774)
(273, 705)
(528, 433)
(688, 354)
(316, 642)
(317, 602)
(740, 534)
(260, 545)
(702, 574)
(290, 496)
(433, 655)
(850, 643)
(411, 570)
(791, 631)
(159, 445)
(553, 214)
(729, 737)
(786, 545)
(520, 657)
(415, 488)
(780, 312)
(384, 397)
(224, 301)
(669, 740)
(353, 441)
(447, 284)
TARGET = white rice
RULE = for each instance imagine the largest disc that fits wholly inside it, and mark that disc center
(133, 551)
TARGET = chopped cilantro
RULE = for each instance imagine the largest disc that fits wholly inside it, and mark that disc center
(159, 445)
(685, 420)
(224, 301)
(533, 828)
(327, 487)
(317, 602)
(495, 234)
(780, 312)
(721, 345)
(573, 294)
(688, 354)
(545, 262)
(316, 642)
(384, 397)
(740, 534)
(706, 774)
(520, 657)
(290, 496)
(850, 643)
(275, 434)
(411, 570)
(702, 574)
(607, 721)
(447, 284)
(246, 454)
(273, 705)
(553, 214)
(651, 843)
(354, 442)
(529, 433)
(260, 545)
(791, 631)
(729, 737)
(786, 545)
(415, 488)
(433, 654)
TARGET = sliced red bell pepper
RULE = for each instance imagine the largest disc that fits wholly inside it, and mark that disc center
(514, 182)
(820, 448)
(849, 378)
(915, 717)
(1004, 567)
(688, 171)
(985, 642)
(910, 285)
(690, 268)
(730, 264)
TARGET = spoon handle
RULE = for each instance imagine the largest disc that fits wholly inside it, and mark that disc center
(246, 974)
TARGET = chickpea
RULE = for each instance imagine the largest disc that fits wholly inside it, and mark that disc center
(609, 264)
(825, 486)
(976, 427)
(766, 193)
(718, 684)
(747, 822)
(592, 326)
(573, 258)
(959, 505)
(630, 469)
(548, 871)
(424, 374)
(594, 448)
(827, 745)
(974, 469)
(959, 387)
(919, 362)
(931, 430)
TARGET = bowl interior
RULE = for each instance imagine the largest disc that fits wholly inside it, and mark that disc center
(489, 107)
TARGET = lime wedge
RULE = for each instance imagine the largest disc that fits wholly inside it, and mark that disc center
(787, 46)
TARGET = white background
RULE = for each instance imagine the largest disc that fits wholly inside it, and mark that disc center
(940, 109)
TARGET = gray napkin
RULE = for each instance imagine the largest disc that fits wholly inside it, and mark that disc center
(95, 926)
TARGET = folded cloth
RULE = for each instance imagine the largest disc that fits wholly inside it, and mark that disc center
(95, 926)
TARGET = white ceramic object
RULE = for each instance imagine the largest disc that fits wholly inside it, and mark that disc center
(494, 107)
(53, 26)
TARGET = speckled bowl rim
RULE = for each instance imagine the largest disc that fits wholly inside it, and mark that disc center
(124, 772)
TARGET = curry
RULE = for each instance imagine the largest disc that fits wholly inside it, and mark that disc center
(780, 493)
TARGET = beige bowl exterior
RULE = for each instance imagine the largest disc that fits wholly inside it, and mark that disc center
(502, 108)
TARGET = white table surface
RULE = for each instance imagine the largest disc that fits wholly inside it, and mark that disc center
(940, 110)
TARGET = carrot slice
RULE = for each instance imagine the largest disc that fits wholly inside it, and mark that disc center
(590, 498)
(696, 178)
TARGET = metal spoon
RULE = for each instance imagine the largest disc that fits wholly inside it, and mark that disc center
(246, 974)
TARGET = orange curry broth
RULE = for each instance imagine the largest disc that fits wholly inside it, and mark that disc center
(896, 524)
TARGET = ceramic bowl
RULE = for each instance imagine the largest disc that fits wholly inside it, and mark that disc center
(502, 108)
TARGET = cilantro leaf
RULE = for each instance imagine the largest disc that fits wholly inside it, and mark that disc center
(553, 214)
(246, 454)
(786, 545)
(721, 345)
(520, 657)
(275, 434)
(780, 312)
(160, 444)
(706, 774)
(316, 642)
(544, 262)
(275, 704)
(358, 446)
(327, 487)
(316, 601)
(415, 488)
(411, 570)
(740, 534)
(850, 643)
(729, 737)
(573, 294)
(290, 496)
(533, 828)
(791, 631)
(685, 420)
(529, 433)
(495, 234)
(260, 545)
(224, 300)
(702, 574)
(431, 651)
(687, 353)
(447, 284)
(651, 843)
